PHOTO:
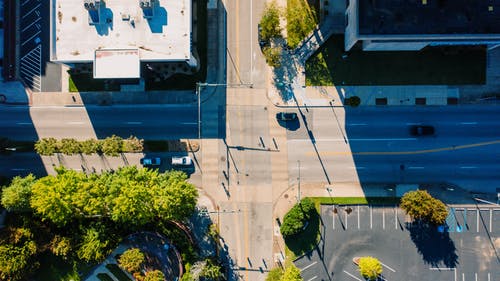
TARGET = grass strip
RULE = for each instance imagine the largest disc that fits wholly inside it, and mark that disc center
(117, 272)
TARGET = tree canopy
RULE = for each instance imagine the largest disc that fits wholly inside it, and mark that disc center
(94, 246)
(154, 275)
(421, 205)
(16, 251)
(370, 268)
(270, 21)
(295, 220)
(129, 195)
(16, 197)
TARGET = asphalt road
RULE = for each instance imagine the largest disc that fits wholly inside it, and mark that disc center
(147, 122)
(374, 145)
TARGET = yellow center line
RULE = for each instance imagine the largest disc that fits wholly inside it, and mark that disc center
(448, 148)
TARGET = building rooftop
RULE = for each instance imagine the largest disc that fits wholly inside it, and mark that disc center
(398, 17)
(77, 32)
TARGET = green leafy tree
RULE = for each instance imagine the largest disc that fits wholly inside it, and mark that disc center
(131, 260)
(154, 275)
(295, 220)
(420, 205)
(16, 197)
(273, 56)
(270, 21)
(112, 145)
(292, 273)
(46, 146)
(94, 246)
(370, 268)
(17, 250)
(69, 146)
(61, 246)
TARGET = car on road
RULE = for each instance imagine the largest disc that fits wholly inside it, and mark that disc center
(419, 130)
(182, 161)
(262, 42)
(154, 161)
(286, 116)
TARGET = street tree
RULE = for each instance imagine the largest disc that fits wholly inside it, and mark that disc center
(270, 21)
(295, 220)
(16, 197)
(292, 273)
(420, 205)
(275, 274)
(370, 267)
(131, 260)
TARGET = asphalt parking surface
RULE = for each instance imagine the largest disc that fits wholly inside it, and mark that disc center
(468, 250)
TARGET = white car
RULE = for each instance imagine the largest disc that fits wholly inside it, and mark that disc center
(184, 160)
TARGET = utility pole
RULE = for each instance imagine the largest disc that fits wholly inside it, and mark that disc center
(298, 197)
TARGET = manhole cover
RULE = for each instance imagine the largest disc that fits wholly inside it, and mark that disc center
(286, 196)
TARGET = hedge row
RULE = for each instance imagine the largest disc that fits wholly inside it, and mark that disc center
(109, 146)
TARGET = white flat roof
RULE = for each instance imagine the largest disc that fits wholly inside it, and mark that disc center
(166, 37)
(117, 64)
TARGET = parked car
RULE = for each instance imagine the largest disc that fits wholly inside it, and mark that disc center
(155, 161)
(182, 161)
(422, 130)
(286, 116)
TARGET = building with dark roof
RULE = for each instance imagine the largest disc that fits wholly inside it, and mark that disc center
(384, 25)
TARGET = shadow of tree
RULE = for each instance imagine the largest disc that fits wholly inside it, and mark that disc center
(285, 75)
(436, 247)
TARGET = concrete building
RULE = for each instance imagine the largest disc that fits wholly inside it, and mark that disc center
(407, 25)
(117, 35)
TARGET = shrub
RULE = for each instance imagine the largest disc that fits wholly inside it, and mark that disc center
(133, 144)
(90, 146)
(154, 275)
(60, 246)
(295, 220)
(69, 146)
(131, 260)
(370, 268)
(273, 56)
(112, 145)
(46, 146)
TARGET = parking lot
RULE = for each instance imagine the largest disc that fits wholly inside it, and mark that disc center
(31, 44)
(465, 249)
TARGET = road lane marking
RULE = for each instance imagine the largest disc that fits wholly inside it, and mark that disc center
(468, 167)
(31, 24)
(31, 11)
(388, 267)
(18, 169)
(189, 123)
(415, 168)
(24, 123)
(133, 123)
(75, 123)
(352, 276)
(468, 123)
(308, 266)
(29, 39)
(413, 123)
(449, 148)
(357, 124)
(491, 214)
(313, 278)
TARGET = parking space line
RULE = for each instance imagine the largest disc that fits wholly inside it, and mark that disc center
(477, 220)
(31, 24)
(308, 266)
(313, 278)
(395, 218)
(345, 212)
(489, 276)
(371, 220)
(26, 41)
(352, 276)
(491, 215)
(333, 217)
(358, 217)
(475, 274)
(31, 11)
(463, 276)
(388, 267)
(383, 218)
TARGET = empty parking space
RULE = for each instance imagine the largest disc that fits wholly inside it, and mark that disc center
(363, 217)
